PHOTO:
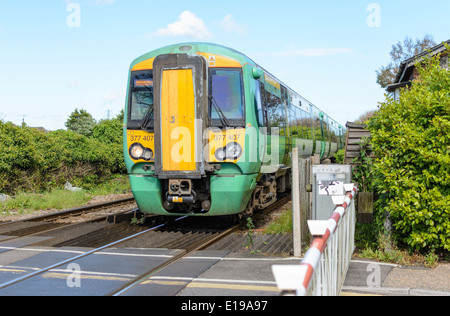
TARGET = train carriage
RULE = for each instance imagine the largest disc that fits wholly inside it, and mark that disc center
(208, 132)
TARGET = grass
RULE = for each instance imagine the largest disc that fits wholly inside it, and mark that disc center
(401, 257)
(24, 203)
(282, 225)
(59, 199)
(119, 184)
(386, 251)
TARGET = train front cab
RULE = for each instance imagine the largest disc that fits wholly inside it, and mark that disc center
(185, 136)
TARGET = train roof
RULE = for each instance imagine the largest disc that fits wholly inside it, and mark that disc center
(194, 47)
(204, 47)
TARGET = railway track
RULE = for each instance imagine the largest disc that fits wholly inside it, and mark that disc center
(49, 223)
(181, 237)
(71, 212)
(199, 245)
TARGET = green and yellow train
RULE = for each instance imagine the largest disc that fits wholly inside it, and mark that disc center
(209, 132)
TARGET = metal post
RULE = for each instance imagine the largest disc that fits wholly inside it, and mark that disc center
(296, 220)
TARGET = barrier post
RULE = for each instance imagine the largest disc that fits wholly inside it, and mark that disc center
(324, 267)
(296, 217)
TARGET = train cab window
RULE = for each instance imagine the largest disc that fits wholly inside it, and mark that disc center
(140, 112)
(226, 102)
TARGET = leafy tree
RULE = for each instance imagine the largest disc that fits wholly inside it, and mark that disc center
(110, 133)
(81, 122)
(411, 140)
(121, 115)
(400, 52)
(365, 117)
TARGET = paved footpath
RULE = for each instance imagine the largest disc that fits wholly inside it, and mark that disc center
(368, 277)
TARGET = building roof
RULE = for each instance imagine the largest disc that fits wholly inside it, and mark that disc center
(406, 67)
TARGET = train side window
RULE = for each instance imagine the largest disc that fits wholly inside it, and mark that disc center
(284, 111)
(272, 104)
(259, 106)
(298, 115)
(275, 112)
(304, 124)
(308, 125)
(293, 121)
(317, 127)
(326, 129)
(334, 134)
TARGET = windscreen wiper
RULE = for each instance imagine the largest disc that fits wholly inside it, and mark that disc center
(223, 119)
(148, 116)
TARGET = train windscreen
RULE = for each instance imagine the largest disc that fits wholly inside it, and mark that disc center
(141, 100)
(226, 93)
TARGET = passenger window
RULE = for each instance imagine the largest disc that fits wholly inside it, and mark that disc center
(275, 111)
(295, 132)
(259, 105)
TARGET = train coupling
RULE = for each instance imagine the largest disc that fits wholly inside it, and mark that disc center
(186, 199)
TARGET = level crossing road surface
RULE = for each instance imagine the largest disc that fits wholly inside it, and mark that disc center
(204, 273)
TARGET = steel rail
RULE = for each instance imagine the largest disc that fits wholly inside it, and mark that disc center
(68, 225)
(196, 247)
(53, 266)
(125, 288)
(69, 212)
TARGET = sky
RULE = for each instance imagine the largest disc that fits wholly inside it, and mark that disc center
(58, 55)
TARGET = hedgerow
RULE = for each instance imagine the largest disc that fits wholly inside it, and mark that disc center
(411, 140)
(32, 160)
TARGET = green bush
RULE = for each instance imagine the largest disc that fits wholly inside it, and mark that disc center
(110, 132)
(339, 156)
(32, 160)
(411, 138)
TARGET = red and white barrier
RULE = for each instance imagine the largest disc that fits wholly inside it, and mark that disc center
(323, 269)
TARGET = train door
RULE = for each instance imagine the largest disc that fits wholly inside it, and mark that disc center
(180, 106)
(287, 135)
(261, 116)
(177, 120)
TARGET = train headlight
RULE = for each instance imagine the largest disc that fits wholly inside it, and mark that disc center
(148, 154)
(232, 151)
(220, 154)
(137, 152)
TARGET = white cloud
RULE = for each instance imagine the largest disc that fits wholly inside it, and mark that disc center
(101, 2)
(230, 26)
(113, 95)
(188, 24)
(312, 52)
(73, 84)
